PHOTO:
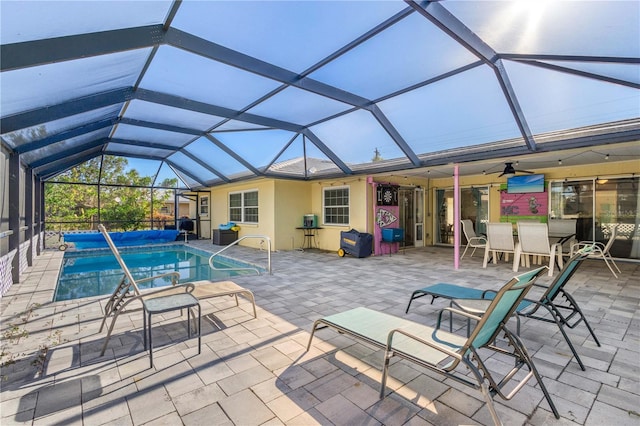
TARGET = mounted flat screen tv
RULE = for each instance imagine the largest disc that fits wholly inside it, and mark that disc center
(525, 184)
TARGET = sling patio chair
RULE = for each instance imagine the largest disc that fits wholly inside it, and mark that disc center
(600, 250)
(474, 241)
(128, 290)
(499, 240)
(449, 354)
(533, 239)
(562, 308)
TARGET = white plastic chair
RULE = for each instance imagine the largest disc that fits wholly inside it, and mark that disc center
(499, 240)
(533, 239)
(601, 251)
(473, 240)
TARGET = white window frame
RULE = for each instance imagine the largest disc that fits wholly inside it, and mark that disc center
(204, 205)
(243, 207)
(325, 207)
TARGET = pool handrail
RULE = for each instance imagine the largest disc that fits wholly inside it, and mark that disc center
(262, 237)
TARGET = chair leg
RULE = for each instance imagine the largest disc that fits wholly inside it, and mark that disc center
(487, 252)
(613, 262)
(415, 295)
(313, 330)
(465, 251)
(385, 372)
(609, 266)
(492, 409)
(558, 322)
(576, 308)
(522, 352)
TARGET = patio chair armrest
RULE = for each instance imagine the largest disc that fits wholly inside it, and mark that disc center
(541, 285)
(594, 244)
(455, 311)
(484, 293)
(175, 275)
(187, 287)
(453, 354)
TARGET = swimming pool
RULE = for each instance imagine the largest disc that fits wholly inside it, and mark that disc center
(90, 273)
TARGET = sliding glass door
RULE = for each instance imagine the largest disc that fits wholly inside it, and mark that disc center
(599, 204)
(474, 205)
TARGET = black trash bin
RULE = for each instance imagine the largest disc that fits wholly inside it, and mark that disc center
(358, 244)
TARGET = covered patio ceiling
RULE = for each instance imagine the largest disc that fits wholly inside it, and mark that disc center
(223, 91)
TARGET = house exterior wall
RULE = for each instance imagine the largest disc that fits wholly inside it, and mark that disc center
(283, 203)
(292, 202)
(219, 207)
(329, 236)
(603, 169)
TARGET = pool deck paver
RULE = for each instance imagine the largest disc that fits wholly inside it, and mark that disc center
(257, 372)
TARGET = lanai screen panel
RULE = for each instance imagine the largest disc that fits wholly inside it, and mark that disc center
(171, 116)
(294, 35)
(258, 147)
(553, 100)
(465, 109)
(354, 137)
(46, 129)
(137, 150)
(34, 20)
(62, 149)
(408, 53)
(586, 28)
(158, 136)
(370, 84)
(217, 158)
(180, 73)
(51, 84)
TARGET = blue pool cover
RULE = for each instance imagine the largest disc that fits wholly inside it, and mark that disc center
(121, 239)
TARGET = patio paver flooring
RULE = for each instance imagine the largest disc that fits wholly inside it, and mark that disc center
(256, 371)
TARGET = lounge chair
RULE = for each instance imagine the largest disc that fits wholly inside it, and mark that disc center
(562, 307)
(128, 290)
(447, 353)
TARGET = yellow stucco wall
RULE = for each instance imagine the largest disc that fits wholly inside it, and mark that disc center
(220, 209)
(292, 202)
(329, 236)
(283, 203)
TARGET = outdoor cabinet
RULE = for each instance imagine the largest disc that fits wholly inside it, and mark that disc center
(224, 237)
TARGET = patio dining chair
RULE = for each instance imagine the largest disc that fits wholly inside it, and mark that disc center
(499, 240)
(533, 240)
(600, 250)
(473, 240)
(449, 354)
(561, 307)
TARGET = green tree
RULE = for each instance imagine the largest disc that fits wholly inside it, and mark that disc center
(124, 199)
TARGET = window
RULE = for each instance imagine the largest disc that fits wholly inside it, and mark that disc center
(598, 204)
(336, 206)
(204, 206)
(243, 206)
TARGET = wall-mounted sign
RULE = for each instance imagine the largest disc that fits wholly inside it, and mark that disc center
(387, 195)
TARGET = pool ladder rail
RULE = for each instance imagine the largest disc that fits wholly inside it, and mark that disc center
(260, 237)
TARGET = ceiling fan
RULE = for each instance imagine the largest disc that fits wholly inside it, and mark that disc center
(509, 171)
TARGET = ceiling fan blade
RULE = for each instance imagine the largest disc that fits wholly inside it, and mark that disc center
(525, 171)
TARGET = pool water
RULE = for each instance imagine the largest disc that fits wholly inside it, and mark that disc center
(97, 272)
